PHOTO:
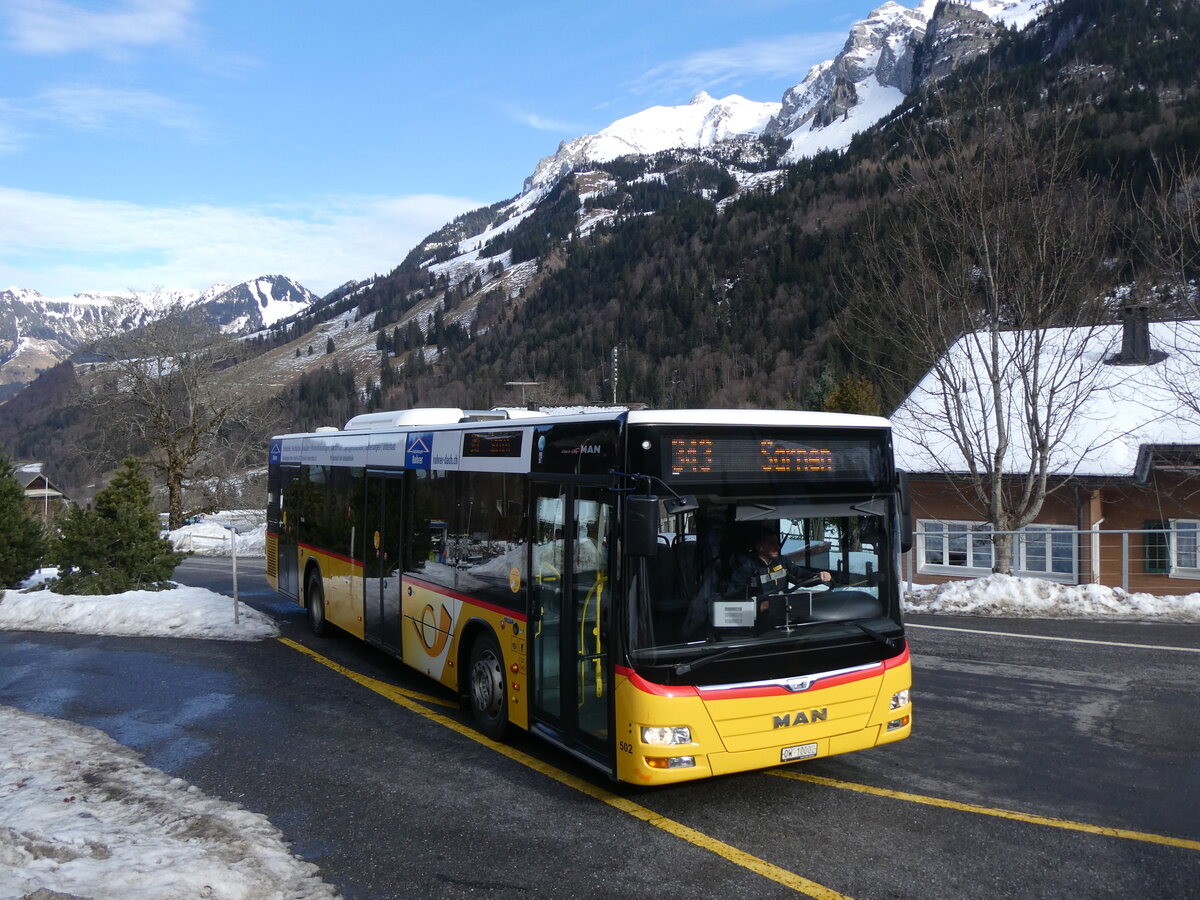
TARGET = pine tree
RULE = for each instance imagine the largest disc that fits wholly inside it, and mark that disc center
(21, 539)
(114, 546)
(854, 394)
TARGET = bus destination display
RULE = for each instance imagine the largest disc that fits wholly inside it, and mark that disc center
(717, 457)
(492, 444)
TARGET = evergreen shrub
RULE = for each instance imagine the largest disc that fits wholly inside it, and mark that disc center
(22, 541)
(114, 545)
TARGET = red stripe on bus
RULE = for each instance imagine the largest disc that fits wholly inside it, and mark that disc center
(900, 659)
(466, 598)
(661, 690)
(338, 556)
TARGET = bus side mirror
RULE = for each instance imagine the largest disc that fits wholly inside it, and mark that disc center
(641, 526)
(676, 505)
(906, 529)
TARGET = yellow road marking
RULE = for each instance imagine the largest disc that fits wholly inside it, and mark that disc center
(990, 811)
(380, 687)
(699, 839)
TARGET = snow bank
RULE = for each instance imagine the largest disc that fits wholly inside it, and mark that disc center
(1006, 596)
(82, 815)
(184, 612)
(209, 538)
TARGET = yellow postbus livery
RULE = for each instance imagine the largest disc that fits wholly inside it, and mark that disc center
(667, 595)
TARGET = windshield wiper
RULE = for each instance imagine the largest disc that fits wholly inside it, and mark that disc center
(887, 641)
(684, 667)
(690, 666)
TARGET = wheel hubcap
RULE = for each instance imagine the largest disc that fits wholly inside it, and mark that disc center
(487, 685)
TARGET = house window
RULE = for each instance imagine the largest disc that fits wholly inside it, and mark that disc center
(1185, 560)
(1047, 550)
(1156, 547)
(965, 548)
(954, 545)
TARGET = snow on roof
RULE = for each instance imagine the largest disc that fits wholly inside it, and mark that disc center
(1127, 406)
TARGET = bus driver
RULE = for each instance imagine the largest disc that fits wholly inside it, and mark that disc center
(764, 571)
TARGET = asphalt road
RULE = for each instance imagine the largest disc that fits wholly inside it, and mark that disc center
(1094, 746)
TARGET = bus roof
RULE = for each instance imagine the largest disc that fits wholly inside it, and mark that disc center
(443, 417)
(787, 417)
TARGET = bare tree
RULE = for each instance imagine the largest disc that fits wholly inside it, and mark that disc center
(1169, 218)
(987, 275)
(161, 391)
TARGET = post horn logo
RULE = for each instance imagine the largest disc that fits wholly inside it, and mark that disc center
(433, 629)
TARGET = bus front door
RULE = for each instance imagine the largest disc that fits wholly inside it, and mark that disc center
(570, 669)
(289, 518)
(381, 564)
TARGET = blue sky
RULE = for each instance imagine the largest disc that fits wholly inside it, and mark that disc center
(175, 143)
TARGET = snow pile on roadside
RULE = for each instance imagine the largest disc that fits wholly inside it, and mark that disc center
(210, 538)
(82, 815)
(184, 612)
(1010, 597)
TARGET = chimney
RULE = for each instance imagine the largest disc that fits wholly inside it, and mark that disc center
(1135, 338)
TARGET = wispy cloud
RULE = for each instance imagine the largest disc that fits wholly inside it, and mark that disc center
(54, 27)
(542, 123)
(93, 108)
(789, 56)
(59, 245)
(100, 109)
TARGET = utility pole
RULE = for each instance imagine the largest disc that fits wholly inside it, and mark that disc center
(614, 374)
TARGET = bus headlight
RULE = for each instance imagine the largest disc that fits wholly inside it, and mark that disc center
(899, 699)
(666, 735)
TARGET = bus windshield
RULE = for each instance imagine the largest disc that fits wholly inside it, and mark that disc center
(750, 572)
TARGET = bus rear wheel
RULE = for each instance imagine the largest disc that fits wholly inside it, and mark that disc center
(314, 595)
(489, 703)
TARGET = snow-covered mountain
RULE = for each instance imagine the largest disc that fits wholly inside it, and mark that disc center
(702, 123)
(39, 332)
(889, 53)
(254, 305)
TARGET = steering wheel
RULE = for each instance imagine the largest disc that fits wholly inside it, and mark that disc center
(812, 584)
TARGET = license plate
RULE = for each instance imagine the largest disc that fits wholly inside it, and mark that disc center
(800, 751)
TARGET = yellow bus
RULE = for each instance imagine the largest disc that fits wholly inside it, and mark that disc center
(667, 595)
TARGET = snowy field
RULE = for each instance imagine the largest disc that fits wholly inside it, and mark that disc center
(80, 814)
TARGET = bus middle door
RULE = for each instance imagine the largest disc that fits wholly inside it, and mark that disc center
(382, 562)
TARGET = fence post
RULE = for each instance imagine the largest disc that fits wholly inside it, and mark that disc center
(233, 548)
(1125, 561)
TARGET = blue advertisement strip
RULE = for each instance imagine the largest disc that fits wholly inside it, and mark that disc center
(418, 451)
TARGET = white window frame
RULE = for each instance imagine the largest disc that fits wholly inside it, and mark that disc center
(1192, 527)
(972, 530)
(1047, 532)
(981, 530)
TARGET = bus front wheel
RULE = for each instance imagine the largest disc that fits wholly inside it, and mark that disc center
(314, 594)
(489, 704)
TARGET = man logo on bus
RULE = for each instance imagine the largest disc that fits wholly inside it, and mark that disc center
(800, 718)
(433, 630)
